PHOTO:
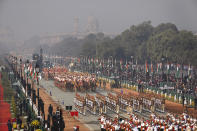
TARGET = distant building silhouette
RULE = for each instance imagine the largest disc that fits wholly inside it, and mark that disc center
(76, 26)
(92, 26)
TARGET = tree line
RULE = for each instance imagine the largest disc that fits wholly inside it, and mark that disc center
(143, 42)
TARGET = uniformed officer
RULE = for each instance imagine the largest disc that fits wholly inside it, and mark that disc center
(50, 109)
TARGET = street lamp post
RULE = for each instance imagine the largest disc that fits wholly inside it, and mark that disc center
(162, 60)
(132, 72)
(132, 60)
(111, 64)
(37, 71)
(21, 69)
(15, 67)
(26, 65)
(37, 68)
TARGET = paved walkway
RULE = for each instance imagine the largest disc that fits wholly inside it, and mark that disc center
(70, 122)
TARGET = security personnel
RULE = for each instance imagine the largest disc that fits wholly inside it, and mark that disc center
(62, 124)
(39, 106)
(54, 121)
(21, 107)
(50, 109)
(42, 105)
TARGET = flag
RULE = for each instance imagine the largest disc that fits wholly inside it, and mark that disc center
(126, 65)
(136, 65)
(34, 73)
(92, 60)
(146, 67)
(151, 67)
(29, 70)
(157, 67)
(37, 76)
(178, 71)
(121, 63)
(89, 61)
(189, 68)
(103, 62)
(100, 64)
(168, 68)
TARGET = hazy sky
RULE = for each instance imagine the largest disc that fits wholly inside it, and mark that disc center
(34, 17)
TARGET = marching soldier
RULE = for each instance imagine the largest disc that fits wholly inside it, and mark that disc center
(101, 108)
(42, 106)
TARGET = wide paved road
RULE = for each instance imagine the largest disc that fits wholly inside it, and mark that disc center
(70, 122)
(66, 98)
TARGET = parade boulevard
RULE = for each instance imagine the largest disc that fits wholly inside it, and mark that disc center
(65, 99)
(98, 65)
